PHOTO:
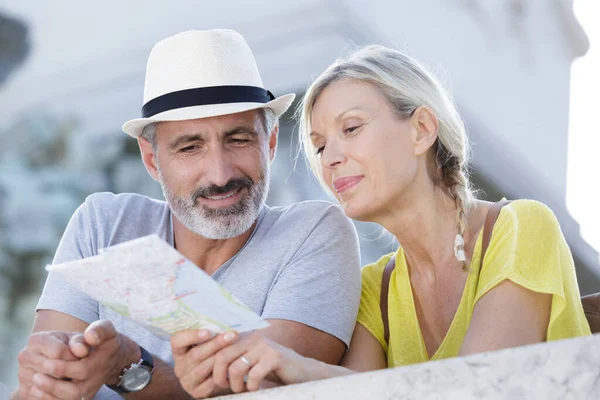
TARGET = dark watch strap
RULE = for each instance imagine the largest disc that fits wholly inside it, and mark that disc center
(146, 361)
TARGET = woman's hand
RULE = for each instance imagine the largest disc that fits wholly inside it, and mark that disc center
(194, 356)
(253, 358)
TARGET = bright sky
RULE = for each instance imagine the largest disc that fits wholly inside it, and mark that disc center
(583, 173)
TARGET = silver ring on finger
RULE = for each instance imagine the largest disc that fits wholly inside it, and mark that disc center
(245, 361)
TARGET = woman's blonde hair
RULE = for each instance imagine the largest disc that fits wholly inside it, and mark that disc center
(406, 84)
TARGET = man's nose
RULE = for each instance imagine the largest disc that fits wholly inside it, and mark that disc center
(219, 167)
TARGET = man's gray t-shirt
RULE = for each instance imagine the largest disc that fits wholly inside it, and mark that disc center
(300, 264)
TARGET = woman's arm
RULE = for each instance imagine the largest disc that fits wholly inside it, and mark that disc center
(365, 352)
(509, 315)
(271, 361)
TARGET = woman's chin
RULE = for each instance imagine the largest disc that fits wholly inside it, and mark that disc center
(354, 212)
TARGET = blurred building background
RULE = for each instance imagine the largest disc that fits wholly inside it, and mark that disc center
(72, 72)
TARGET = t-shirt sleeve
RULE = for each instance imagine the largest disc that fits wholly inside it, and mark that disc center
(528, 248)
(76, 243)
(369, 312)
(320, 286)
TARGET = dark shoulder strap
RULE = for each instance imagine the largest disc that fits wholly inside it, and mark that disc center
(488, 227)
(383, 299)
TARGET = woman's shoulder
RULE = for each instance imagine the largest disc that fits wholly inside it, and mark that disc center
(528, 206)
(526, 214)
(527, 246)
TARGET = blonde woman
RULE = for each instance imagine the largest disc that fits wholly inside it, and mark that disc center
(384, 137)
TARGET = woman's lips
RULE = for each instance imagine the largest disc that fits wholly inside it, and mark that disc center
(341, 185)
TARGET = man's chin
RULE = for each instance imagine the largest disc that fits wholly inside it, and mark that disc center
(224, 227)
(221, 212)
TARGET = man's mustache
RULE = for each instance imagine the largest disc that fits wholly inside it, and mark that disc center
(233, 185)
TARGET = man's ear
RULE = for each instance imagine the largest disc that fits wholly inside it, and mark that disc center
(426, 129)
(273, 142)
(148, 157)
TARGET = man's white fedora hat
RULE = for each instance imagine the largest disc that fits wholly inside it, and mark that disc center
(199, 74)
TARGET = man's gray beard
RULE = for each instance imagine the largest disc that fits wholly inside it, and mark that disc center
(219, 223)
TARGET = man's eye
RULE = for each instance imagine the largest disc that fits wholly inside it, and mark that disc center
(188, 149)
(320, 150)
(239, 141)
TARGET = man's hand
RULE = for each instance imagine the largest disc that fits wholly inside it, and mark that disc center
(101, 353)
(193, 353)
(44, 346)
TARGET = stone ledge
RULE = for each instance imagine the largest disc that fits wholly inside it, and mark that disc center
(566, 369)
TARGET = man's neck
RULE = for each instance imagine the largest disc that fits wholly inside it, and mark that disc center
(208, 254)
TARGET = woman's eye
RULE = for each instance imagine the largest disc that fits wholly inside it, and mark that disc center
(320, 150)
(351, 129)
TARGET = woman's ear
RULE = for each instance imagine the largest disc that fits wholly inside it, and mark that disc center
(426, 126)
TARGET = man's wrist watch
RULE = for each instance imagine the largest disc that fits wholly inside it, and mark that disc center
(137, 376)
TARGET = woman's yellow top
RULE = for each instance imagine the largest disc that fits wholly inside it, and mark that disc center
(527, 247)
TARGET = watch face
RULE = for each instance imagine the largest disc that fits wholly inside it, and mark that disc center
(136, 378)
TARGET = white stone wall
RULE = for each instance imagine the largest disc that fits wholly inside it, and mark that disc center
(562, 370)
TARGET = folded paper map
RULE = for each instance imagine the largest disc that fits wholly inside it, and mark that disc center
(150, 282)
